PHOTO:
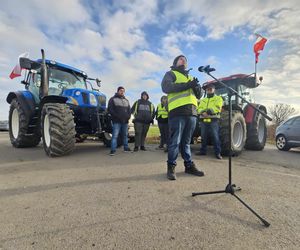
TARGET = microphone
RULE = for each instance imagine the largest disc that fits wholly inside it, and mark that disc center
(206, 69)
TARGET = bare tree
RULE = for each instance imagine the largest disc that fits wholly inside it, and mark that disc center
(280, 112)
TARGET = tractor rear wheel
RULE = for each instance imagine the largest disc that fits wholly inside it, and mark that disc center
(58, 129)
(256, 133)
(18, 125)
(238, 133)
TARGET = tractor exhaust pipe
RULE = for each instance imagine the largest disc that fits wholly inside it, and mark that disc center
(44, 77)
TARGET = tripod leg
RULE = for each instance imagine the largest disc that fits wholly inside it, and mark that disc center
(212, 192)
(267, 224)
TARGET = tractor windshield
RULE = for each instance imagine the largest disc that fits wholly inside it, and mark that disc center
(60, 80)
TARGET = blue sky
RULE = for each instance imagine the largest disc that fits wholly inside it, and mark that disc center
(133, 43)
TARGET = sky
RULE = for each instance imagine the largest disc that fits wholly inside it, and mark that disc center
(133, 43)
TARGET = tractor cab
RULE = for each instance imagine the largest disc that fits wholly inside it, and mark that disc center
(241, 83)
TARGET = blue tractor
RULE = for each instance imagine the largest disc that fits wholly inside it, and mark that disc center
(59, 105)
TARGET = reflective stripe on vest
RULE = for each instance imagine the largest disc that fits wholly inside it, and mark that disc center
(182, 98)
(161, 111)
(143, 107)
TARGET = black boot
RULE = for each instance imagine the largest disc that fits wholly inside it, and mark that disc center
(192, 169)
(171, 172)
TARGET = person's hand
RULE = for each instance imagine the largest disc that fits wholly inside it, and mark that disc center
(193, 83)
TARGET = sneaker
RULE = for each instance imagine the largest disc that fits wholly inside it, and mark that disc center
(171, 173)
(143, 148)
(192, 169)
(218, 156)
(112, 153)
(136, 149)
(127, 150)
(160, 148)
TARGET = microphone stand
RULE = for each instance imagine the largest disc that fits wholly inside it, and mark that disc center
(231, 188)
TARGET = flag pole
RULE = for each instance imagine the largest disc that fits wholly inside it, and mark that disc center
(255, 66)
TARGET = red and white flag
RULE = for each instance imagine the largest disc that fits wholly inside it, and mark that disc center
(259, 46)
(17, 69)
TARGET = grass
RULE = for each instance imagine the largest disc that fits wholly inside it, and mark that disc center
(153, 134)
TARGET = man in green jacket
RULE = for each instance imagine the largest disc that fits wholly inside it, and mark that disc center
(209, 109)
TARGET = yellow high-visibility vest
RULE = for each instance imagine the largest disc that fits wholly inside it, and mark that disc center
(214, 103)
(182, 98)
(161, 111)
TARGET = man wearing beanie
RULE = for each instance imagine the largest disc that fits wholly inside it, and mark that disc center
(210, 109)
(119, 109)
(182, 106)
(144, 112)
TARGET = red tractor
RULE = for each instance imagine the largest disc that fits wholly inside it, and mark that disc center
(248, 126)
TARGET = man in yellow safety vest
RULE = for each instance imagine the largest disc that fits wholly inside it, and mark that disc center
(162, 120)
(209, 109)
(182, 106)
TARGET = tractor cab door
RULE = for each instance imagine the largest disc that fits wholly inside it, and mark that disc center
(245, 93)
(34, 83)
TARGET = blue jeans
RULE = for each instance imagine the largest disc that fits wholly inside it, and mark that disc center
(117, 128)
(181, 129)
(212, 128)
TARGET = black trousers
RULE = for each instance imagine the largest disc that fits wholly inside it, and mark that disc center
(164, 134)
(141, 131)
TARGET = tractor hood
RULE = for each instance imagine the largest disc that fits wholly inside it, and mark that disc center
(85, 98)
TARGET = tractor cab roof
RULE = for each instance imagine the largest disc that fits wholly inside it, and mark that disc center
(63, 67)
(239, 79)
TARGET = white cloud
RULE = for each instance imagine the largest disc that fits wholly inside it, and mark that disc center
(109, 40)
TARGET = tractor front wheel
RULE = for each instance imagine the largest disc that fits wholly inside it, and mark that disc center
(18, 125)
(58, 129)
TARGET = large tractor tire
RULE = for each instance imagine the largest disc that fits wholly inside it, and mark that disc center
(256, 133)
(58, 129)
(238, 133)
(18, 125)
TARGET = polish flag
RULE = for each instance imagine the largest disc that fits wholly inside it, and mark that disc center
(259, 46)
(16, 72)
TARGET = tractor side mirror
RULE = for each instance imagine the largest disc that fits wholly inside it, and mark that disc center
(260, 80)
(26, 63)
(98, 82)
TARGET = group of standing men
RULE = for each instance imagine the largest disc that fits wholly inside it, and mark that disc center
(176, 115)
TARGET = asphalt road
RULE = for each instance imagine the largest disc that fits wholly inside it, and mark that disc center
(90, 200)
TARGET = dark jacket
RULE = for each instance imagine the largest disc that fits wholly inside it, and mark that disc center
(144, 111)
(169, 86)
(119, 109)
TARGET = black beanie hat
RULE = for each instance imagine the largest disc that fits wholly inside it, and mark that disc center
(120, 88)
(176, 60)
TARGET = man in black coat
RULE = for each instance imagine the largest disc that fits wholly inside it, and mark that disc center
(119, 109)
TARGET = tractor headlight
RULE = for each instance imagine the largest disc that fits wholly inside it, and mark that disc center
(93, 100)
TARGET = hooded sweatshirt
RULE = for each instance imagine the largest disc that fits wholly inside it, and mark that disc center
(119, 109)
(143, 110)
